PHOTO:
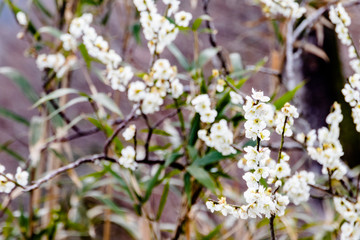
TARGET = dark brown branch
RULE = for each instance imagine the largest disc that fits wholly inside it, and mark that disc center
(212, 37)
(272, 229)
(122, 125)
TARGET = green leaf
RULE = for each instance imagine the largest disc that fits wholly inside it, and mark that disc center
(203, 177)
(112, 206)
(236, 62)
(36, 130)
(153, 183)
(288, 96)
(193, 153)
(157, 132)
(136, 32)
(195, 126)
(179, 57)
(50, 30)
(205, 56)
(5, 148)
(21, 82)
(14, 116)
(214, 233)
(85, 55)
(199, 20)
(107, 102)
(221, 105)
(163, 200)
(187, 186)
(42, 8)
(172, 158)
(55, 94)
(159, 147)
(211, 157)
(67, 105)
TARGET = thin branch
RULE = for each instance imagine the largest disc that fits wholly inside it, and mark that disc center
(122, 125)
(282, 139)
(212, 37)
(272, 229)
(65, 168)
(326, 190)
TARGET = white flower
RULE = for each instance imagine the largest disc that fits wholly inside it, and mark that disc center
(236, 98)
(183, 18)
(68, 41)
(151, 103)
(21, 177)
(136, 91)
(119, 78)
(5, 185)
(259, 96)
(127, 158)
(129, 132)
(208, 116)
(21, 18)
(176, 88)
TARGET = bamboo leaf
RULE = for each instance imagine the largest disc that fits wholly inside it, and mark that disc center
(179, 57)
(203, 177)
(288, 96)
(5, 148)
(67, 105)
(55, 94)
(14, 116)
(205, 56)
(195, 126)
(50, 30)
(107, 102)
(163, 200)
(21, 82)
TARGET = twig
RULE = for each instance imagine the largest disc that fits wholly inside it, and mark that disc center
(282, 139)
(212, 37)
(272, 229)
(65, 168)
(326, 190)
(123, 124)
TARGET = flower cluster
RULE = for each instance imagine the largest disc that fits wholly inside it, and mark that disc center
(350, 230)
(127, 159)
(56, 62)
(160, 81)
(220, 138)
(202, 105)
(351, 93)
(330, 150)
(8, 181)
(97, 47)
(308, 140)
(158, 30)
(286, 8)
(257, 114)
(284, 119)
(341, 19)
(297, 188)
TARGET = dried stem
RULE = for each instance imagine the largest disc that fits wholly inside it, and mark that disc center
(272, 229)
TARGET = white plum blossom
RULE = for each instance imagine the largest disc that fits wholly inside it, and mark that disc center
(119, 78)
(68, 42)
(129, 132)
(350, 211)
(136, 91)
(127, 159)
(286, 8)
(341, 19)
(151, 103)
(21, 177)
(236, 98)
(202, 106)
(183, 18)
(220, 138)
(257, 114)
(22, 18)
(297, 188)
(330, 150)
